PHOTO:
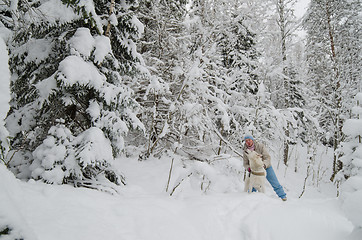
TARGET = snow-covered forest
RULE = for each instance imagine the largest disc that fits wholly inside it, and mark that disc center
(125, 119)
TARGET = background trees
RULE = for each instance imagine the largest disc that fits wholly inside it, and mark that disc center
(330, 73)
(163, 49)
(197, 67)
(281, 68)
(190, 77)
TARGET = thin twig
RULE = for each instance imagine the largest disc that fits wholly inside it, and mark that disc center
(169, 175)
(305, 180)
(227, 143)
(173, 190)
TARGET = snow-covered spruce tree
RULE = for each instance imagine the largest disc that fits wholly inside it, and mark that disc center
(236, 44)
(351, 173)
(237, 49)
(331, 57)
(70, 106)
(351, 148)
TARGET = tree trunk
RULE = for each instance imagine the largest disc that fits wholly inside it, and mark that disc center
(283, 35)
(286, 147)
(337, 164)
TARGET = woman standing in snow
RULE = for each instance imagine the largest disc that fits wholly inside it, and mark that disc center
(252, 145)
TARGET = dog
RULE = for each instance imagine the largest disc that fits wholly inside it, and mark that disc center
(257, 176)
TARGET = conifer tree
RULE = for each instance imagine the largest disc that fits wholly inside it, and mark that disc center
(70, 109)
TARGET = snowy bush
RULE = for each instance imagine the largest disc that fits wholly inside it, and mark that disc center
(63, 158)
(221, 173)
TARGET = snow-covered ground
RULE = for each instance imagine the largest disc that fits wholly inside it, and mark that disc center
(142, 210)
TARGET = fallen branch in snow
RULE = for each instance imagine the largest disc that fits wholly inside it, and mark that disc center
(96, 186)
(221, 157)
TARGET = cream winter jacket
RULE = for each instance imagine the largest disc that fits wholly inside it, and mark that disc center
(261, 149)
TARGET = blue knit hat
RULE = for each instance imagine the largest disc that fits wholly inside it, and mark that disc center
(248, 137)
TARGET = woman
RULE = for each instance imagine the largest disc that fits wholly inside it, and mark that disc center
(252, 145)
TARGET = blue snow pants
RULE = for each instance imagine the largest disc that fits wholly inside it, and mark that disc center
(273, 180)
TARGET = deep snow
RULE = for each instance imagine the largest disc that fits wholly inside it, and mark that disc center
(142, 210)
